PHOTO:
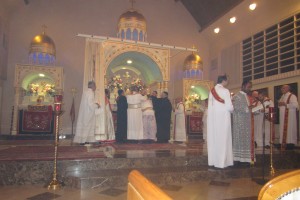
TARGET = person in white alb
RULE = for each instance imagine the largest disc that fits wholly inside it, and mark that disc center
(149, 122)
(288, 105)
(265, 122)
(179, 121)
(135, 115)
(219, 139)
(85, 128)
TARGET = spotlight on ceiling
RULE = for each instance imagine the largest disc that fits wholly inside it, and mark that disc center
(129, 61)
(252, 6)
(192, 86)
(232, 20)
(41, 75)
(123, 67)
(217, 30)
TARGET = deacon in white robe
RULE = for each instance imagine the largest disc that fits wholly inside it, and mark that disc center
(85, 128)
(265, 121)
(219, 138)
(105, 130)
(179, 122)
(288, 101)
(149, 122)
(135, 115)
(258, 117)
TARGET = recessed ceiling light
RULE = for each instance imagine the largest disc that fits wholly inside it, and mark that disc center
(123, 67)
(217, 30)
(192, 86)
(232, 20)
(252, 6)
(129, 61)
(42, 75)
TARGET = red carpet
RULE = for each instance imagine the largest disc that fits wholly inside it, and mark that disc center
(47, 153)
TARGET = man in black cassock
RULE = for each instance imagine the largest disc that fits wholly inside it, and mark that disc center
(163, 116)
(121, 135)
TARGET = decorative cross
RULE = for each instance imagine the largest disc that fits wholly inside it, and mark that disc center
(132, 2)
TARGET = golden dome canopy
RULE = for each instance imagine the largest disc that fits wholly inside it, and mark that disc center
(132, 15)
(193, 61)
(42, 43)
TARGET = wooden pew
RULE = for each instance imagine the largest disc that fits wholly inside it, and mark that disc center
(288, 183)
(140, 188)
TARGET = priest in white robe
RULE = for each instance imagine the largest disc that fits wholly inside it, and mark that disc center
(135, 115)
(149, 121)
(85, 128)
(258, 117)
(219, 139)
(265, 122)
(288, 106)
(179, 122)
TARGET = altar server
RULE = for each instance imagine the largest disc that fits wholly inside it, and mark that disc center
(85, 128)
(219, 139)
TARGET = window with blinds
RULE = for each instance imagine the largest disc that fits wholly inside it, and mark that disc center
(273, 51)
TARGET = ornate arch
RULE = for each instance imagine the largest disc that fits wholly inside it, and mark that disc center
(111, 50)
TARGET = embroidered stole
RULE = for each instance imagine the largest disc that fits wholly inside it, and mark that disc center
(216, 96)
(285, 124)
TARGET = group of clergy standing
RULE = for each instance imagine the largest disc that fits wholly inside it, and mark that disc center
(236, 124)
(141, 118)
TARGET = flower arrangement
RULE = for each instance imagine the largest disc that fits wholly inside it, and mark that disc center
(193, 98)
(41, 89)
(33, 88)
(138, 83)
(115, 82)
(49, 89)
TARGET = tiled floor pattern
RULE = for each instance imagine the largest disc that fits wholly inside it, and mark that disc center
(234, 189)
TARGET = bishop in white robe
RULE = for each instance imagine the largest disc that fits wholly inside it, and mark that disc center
(85, 128)
(179, 122)
(135, 116)
(219, 139)
(288, 102)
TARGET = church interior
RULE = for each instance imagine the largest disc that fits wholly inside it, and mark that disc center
(50, 50)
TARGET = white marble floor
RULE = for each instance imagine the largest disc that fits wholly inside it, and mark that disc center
(234, 189)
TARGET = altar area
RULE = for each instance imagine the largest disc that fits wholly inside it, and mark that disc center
(35, 86)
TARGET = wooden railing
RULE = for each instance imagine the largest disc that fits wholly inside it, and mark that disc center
(140, 188)
(283, 185)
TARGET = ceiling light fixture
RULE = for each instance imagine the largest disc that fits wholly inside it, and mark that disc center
(129, 61)
(217, 30)
(41, 75)
(192, 86)
(232, 20)
(252, 6)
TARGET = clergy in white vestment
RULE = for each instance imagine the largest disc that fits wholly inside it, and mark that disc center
(288, 106)
(179, 121)
(105, 119)
(85, 128)
(149, 122)
(134, 115)
(265, 121)
(219, 138)
(258, 117)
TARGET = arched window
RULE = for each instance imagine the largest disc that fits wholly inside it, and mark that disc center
(128, 34)
(141, 36)
(135, 35)
(123, 34)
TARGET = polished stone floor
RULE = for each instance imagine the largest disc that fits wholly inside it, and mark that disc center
(231, 189)
(212, 189)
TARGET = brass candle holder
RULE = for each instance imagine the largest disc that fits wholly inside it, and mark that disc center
(55, 184)
(271, 113)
